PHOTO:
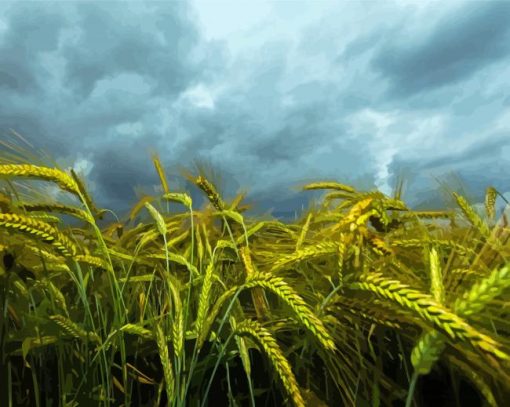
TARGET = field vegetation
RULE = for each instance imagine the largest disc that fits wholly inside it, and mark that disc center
(360, 301)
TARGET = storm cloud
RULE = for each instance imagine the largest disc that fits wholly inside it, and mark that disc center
(271, 95)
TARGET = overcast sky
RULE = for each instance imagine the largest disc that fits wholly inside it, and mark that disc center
(271, 94)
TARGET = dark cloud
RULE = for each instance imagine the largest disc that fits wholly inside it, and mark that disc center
(487, 149)
(465, 41)
(32, 30)
(105, 84)
(86, 80)
(155, 41)
(477, 166)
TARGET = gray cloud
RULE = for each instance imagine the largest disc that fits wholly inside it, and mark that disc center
(275, 104)
(477, 166)
(463, 42)
(154, 40)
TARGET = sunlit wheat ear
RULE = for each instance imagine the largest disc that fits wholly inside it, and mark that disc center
(203, 301)
(304, 231)
(178, 333)
(92, 261)
(429, 347)
(490, 202)
(302, 312)
(211, 192)
(286, 294)
(161, 173)
(472, 216)
(282, 366)
(160, 222)
(64, 209)
(448, 244)
(483, 292)
(430, 310)
(200, 245)
(329, 185)
(258, 298)
(66, 182)
(357, 210)
(38, 230)
(135, 329)
(426, 214)
(180, 197)
(242, 347)
(165, 362)
(436, 277)
(305, 253)
(85, 196)
(426, 352)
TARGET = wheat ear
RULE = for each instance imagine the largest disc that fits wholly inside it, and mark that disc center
(306, 253)
(257, 295)
(303, 313)
(275, 355)
(85, 196)
(40, 230)
(165, 362)
(430, 345)
(68, 210)
(73, 329)
(472, 216)
(93, 261)
(329, 185)
(481, 293)
(211, 192)
(203, 301)
(161, 173)
(490, 202)
(431, 311)
(44, 173)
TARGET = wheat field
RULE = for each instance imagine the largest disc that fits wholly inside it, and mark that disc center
(360, 301)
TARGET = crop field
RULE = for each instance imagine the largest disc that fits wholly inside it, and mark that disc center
(361, 301)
